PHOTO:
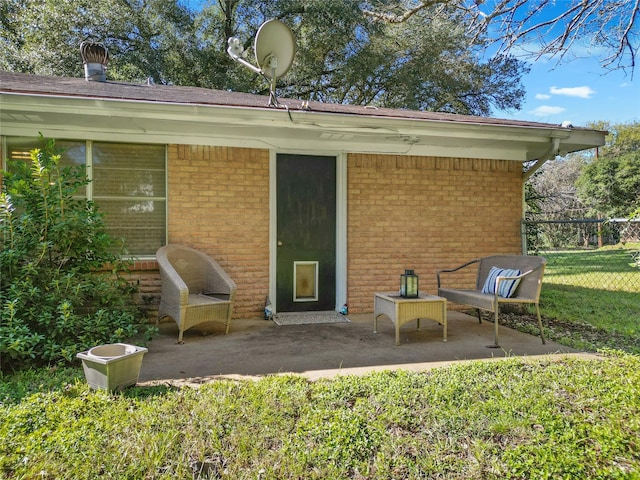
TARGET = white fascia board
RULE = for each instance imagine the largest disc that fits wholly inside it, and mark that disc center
(277, 128)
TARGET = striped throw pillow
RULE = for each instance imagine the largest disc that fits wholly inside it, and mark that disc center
(507, 287)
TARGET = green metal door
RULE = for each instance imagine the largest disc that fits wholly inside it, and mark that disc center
(306, 233)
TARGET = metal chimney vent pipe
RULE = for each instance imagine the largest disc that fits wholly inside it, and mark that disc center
(95, 58)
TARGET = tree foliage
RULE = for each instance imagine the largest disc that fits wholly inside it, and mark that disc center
(610, 183)
(145, 38)
(429, 62)
(553, 190)
(583, 185)
(53, 301)
(422, 54)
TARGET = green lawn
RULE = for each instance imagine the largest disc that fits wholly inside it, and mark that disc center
(536, 419)
(590, 299)
(610, 269)
(613, 311)
(513, 419)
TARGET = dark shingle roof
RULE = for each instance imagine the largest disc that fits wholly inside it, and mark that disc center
(21, 83)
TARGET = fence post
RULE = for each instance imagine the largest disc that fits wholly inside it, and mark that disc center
(523, 236)
(599, 231)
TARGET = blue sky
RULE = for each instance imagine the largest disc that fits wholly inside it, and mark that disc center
(575, 88)
(579, 91)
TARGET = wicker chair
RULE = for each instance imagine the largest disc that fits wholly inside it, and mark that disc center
(195, 289)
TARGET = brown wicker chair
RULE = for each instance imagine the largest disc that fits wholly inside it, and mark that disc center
(195, 289)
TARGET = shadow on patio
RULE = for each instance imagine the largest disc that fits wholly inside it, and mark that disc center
(256, 347)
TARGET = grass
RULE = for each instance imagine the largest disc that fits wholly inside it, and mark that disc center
(589, 300)
(538, 419)
(609, 268)
(512, 419)
(615, 312)
(23, 383)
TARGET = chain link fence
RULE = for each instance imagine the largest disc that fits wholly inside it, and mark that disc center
(598, 254)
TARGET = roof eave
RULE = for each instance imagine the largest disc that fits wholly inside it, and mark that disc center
(278, 128)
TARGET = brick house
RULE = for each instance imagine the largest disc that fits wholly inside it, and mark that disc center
(348, 196)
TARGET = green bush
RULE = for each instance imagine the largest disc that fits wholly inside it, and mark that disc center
(56, 298)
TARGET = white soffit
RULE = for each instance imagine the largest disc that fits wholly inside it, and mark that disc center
(277, 128)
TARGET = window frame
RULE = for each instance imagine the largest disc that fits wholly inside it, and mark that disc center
(89, 169)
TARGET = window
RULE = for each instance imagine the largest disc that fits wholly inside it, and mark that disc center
(129, 187)
(128, 183)
(73, 153)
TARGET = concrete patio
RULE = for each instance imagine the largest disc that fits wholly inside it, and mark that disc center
(255, 347)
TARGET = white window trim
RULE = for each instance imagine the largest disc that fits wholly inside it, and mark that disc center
(89, 186)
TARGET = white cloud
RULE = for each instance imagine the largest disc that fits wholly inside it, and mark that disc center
(545, 110)
(542, 96)
(580, 92)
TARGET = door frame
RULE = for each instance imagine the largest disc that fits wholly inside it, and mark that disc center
(341, 223)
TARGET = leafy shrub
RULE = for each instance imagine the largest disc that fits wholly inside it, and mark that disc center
(56, 298)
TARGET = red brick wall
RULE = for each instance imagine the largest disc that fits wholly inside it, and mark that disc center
(219, 203)
(426, 214)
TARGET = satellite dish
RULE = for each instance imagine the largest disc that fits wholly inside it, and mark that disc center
(274, 47)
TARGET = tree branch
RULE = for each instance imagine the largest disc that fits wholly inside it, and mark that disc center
(392, 18)
(509, 26)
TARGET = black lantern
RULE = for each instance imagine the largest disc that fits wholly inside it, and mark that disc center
(409, 284)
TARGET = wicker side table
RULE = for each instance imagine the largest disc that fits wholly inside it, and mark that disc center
(401, 310)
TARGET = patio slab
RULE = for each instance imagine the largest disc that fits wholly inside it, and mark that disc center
(255, 347)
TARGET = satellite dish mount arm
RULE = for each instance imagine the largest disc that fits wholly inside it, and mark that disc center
(274, 48)
(237, 53)
(272, 63)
